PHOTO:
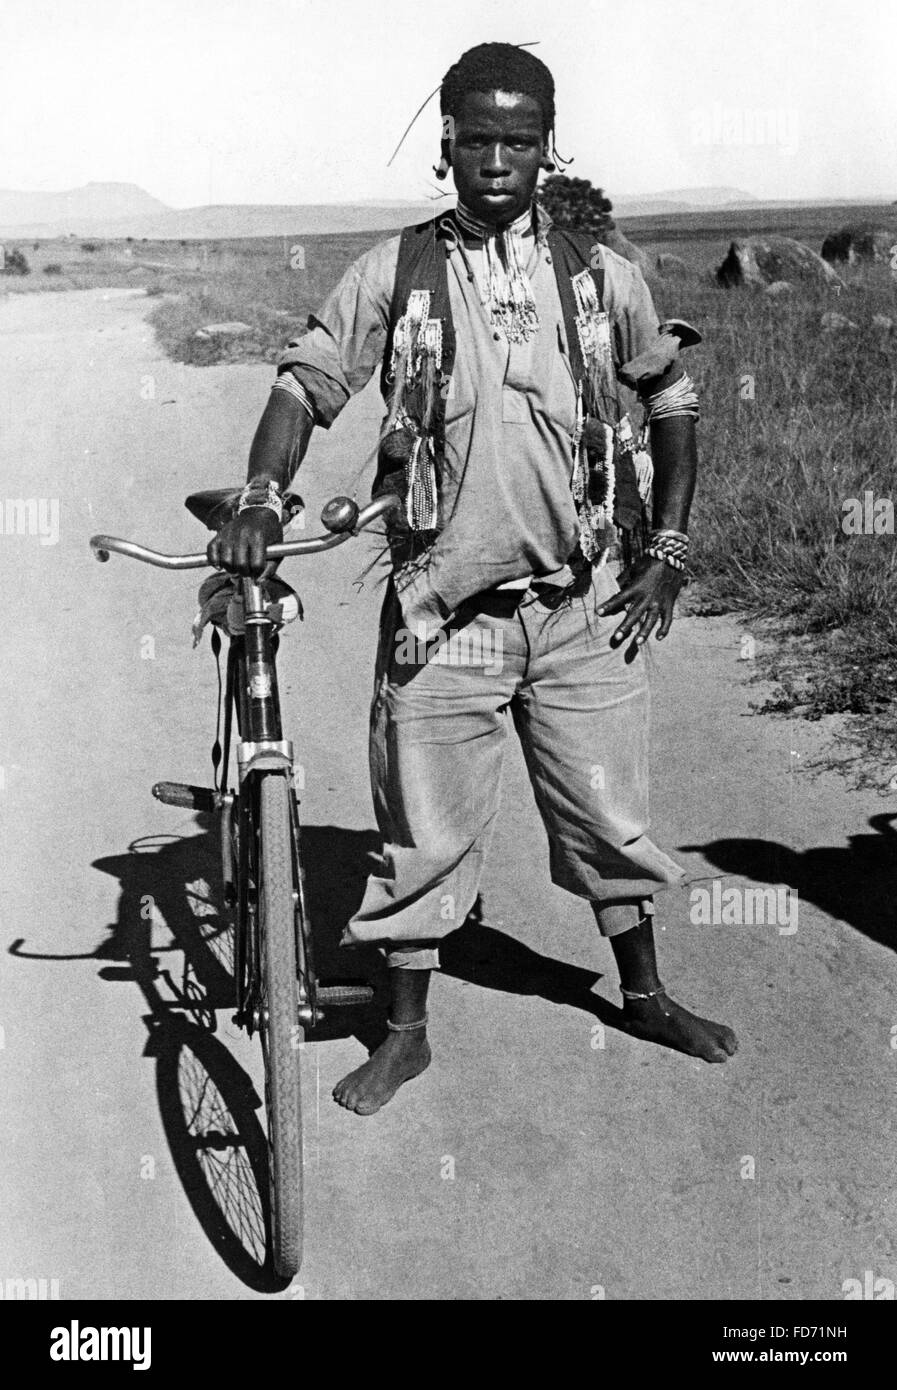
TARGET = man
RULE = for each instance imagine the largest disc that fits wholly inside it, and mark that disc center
(508, 351)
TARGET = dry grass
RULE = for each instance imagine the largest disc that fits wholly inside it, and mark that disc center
(775, 473)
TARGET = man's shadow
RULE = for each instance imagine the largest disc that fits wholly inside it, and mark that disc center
(855, 882)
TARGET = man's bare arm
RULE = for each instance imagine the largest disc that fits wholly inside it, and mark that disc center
(674, 450)
(650, 591)
(277, 450)
(281, 440)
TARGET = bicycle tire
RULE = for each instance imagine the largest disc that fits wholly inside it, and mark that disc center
(281, 1032)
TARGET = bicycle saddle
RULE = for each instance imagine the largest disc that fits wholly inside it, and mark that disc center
(218, 505)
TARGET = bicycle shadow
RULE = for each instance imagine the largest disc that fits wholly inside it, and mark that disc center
(170, 906)
(855, 883)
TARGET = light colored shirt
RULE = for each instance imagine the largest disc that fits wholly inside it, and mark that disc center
(506, 510)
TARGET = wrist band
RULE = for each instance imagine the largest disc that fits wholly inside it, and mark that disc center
(254, 495)
(670, 560)
(669, 546)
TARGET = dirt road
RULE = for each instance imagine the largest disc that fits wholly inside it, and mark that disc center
(545, 1155)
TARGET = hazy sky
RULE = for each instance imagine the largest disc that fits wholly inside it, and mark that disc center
(290, 101)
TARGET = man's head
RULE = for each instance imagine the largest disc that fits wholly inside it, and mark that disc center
(497, 105)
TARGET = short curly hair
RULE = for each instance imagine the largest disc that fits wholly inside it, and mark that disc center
(499, 67)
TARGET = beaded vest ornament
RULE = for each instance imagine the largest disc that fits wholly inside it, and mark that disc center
(508, 293)
(417, 364)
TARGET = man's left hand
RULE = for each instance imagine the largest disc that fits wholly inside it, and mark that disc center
(649, 595)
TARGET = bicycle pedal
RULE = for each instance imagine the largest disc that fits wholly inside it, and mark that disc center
(344, 996)
(180, 794)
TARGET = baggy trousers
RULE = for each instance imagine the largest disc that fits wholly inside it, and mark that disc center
(439, 722)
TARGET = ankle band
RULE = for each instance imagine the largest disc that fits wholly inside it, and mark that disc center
(636, 994)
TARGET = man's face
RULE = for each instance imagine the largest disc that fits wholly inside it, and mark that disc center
(496, 154)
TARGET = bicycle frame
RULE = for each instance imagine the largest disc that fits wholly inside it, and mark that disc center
(261, 750)
(251, 689)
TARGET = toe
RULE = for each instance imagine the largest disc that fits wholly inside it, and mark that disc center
(342, 1092)
(728, 1040)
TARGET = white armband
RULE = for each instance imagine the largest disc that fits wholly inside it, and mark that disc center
(287, 382)
(678, 399)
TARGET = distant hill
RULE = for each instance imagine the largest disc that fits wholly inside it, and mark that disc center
(681, 200)
(76, 209)
(696, 200)
(124, 209)
(225, 221)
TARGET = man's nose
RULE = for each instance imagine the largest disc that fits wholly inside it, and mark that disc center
(495, 160)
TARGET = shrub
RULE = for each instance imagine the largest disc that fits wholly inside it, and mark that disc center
(15, 263)
(574, 203)
(54, 268)
(90, 246)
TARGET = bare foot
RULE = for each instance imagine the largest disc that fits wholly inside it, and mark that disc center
(399, 1058)
(662, 1020)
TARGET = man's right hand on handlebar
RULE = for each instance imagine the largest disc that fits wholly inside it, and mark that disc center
(240, 546)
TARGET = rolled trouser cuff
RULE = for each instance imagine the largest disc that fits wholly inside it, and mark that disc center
(407, 956)
(616, 918)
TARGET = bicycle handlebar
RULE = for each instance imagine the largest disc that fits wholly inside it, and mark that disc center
(340, 515)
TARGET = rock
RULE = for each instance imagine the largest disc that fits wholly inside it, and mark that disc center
(779, 289)
(233, 329)
(760, 261)
(667, 264)
(859, 241)
(833, 323)
(883, 322)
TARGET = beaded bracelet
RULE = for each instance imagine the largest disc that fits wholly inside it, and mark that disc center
(253, 496)
(668, 545)
(667, 559)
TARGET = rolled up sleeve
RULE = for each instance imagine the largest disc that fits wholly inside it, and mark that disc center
(346, 338)
(637, 327)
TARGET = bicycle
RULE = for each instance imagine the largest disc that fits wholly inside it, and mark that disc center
(277, 992)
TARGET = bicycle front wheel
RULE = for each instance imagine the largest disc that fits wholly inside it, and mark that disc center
(281, 1033)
